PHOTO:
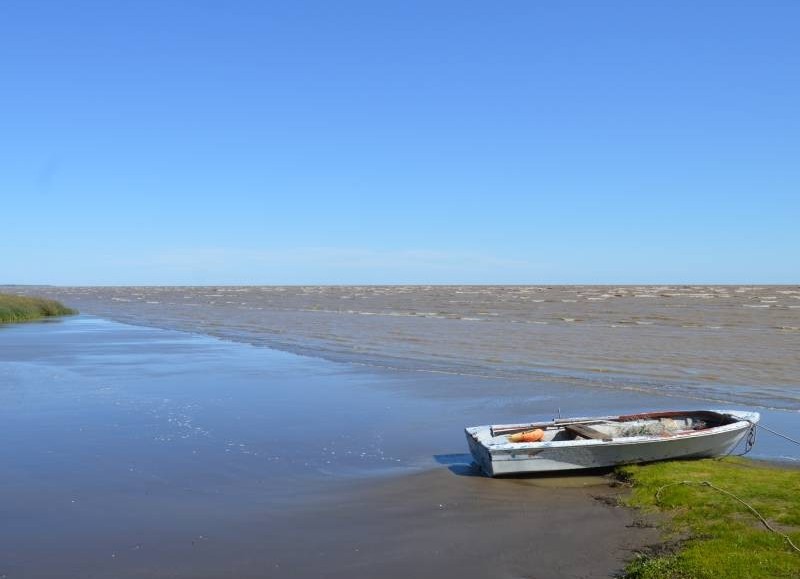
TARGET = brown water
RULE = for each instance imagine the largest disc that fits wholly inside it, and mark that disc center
(731, 344)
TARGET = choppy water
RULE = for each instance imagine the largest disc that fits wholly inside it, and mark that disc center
(720, 343)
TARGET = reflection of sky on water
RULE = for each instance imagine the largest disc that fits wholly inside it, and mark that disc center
(134, 400)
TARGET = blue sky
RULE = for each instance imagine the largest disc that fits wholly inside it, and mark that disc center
(167, 142)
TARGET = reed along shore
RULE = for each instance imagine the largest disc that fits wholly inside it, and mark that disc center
(16, 308)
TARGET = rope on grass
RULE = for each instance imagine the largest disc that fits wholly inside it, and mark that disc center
(733, 496)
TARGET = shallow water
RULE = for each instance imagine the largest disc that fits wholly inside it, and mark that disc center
(726, 344)
(140, 452)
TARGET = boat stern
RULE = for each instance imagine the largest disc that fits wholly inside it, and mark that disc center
(478, 450)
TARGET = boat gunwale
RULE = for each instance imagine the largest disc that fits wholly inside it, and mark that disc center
(744, 419)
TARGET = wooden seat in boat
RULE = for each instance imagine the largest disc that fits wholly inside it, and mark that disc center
(586, 431)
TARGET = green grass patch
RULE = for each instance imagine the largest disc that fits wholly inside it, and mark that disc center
(14, 308)
(714, 535)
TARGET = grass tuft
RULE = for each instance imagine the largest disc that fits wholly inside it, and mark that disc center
(646, 566)
(724, 538)
(14, 308)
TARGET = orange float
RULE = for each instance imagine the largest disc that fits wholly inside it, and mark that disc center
(534, 435)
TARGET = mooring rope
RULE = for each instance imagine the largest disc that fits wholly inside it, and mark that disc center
(790, 439)
(733, 496)
(751, 437)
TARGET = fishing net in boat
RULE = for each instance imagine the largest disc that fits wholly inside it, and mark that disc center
(665, 426)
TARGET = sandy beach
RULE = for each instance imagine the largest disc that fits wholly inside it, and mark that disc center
(137, 452)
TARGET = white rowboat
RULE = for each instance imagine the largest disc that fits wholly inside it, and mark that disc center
(579, 443)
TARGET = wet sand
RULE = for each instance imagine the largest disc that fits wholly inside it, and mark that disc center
(435, 524)
(137, 452)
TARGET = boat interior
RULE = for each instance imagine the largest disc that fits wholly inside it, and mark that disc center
(655, 424)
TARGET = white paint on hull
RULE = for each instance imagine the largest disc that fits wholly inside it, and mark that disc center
(496, 459)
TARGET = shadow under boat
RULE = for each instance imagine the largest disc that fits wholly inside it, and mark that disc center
(462, 464)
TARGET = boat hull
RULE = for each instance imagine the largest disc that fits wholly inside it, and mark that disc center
(509, 459)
